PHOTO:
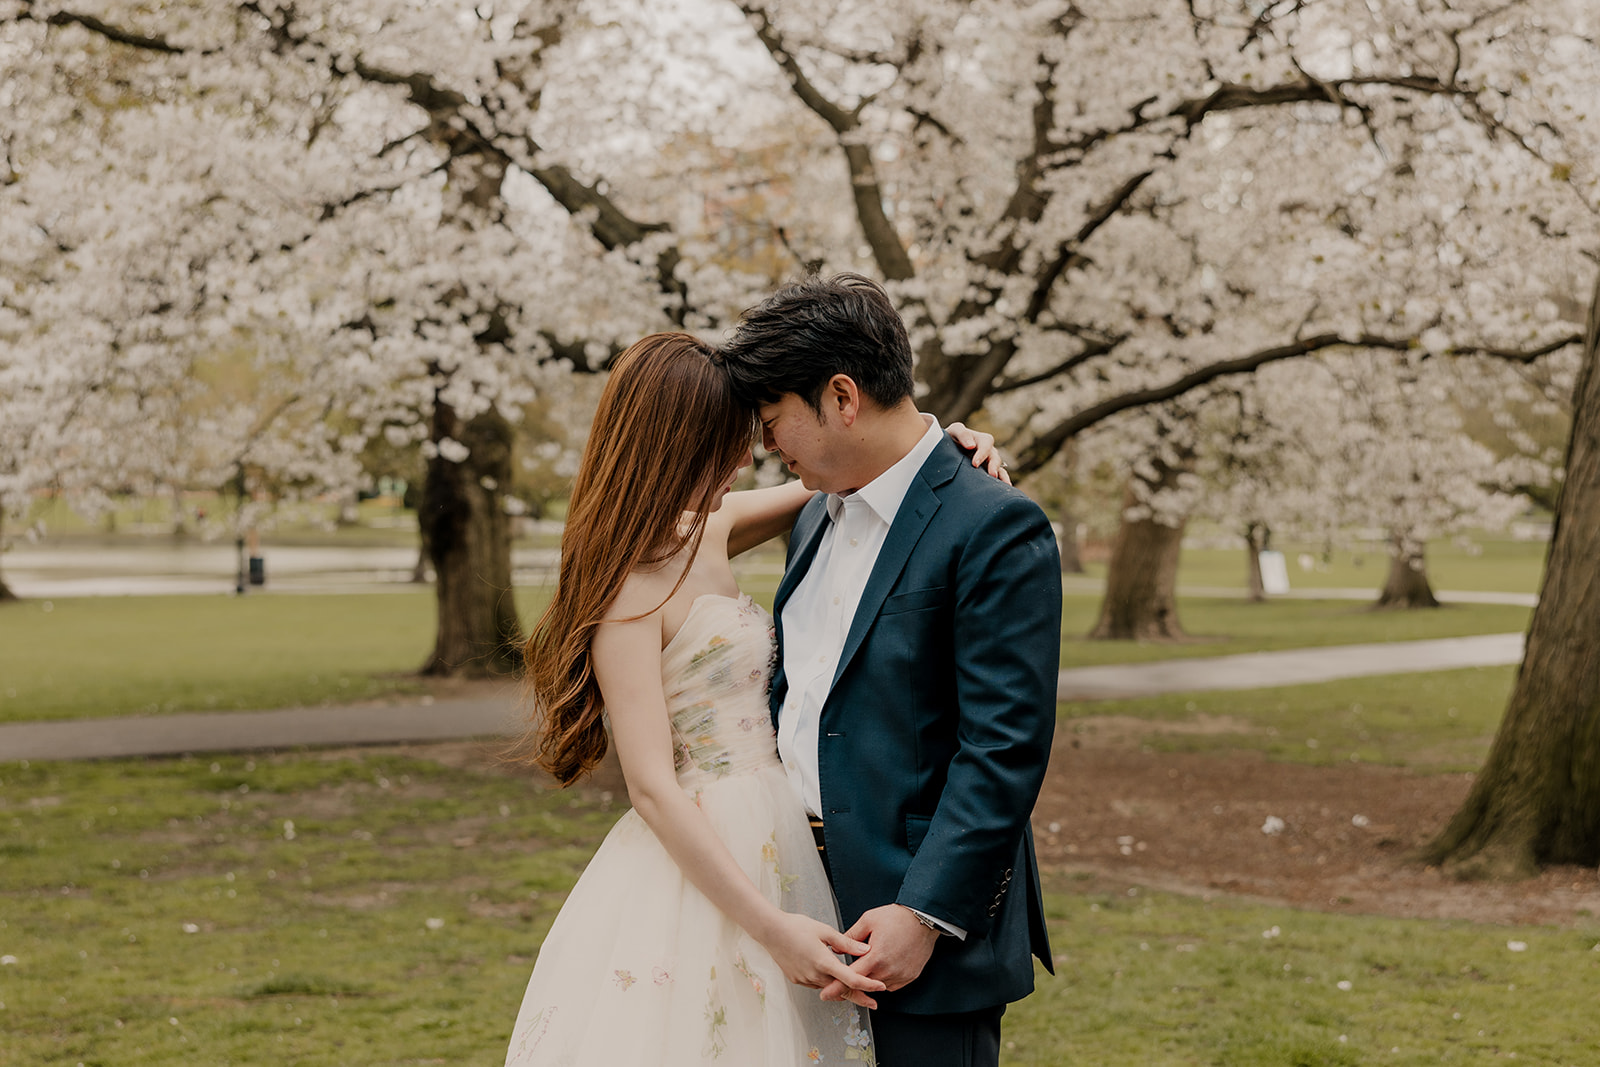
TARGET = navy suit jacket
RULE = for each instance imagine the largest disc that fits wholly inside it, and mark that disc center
(934, 738)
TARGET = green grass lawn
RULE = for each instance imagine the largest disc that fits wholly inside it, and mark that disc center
(104, 656)
(1433, 722)
(1490, 565)
(373, 908)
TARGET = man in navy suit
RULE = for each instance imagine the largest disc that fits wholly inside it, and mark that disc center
(919, 622)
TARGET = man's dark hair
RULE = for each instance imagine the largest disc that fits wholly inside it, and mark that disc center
(805, 333)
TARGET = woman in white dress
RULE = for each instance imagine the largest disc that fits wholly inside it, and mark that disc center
(704, 924)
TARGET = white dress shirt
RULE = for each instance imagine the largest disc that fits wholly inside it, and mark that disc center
(818, 614)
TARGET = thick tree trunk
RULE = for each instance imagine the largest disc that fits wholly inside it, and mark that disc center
(1257, 538)
(468, 535)
(1141, 598)
(465, 529)
(1407, 585)
(1537, 799)
(1071, 553)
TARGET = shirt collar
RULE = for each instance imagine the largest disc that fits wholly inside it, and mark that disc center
(885, 493)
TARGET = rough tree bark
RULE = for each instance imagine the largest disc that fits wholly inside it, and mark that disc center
(1257, 539)
(1141, 598)
(468, 535)
(1407, 585)
(1537, 799)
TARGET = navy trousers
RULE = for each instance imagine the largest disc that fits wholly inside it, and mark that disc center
(967, 1039)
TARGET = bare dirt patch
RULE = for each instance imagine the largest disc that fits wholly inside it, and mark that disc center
(1193, 823)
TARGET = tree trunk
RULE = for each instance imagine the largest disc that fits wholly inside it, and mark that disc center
(1256, 540)
(1407, 586)
(1071, 554)
(463, 520)
(1537, 799)
(468, 535)
(1141, 598)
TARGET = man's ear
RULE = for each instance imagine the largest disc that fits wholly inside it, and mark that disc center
(843, 397)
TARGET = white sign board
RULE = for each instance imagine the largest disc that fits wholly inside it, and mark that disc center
(1274, 573)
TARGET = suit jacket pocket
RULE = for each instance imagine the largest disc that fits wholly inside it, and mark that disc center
(915, 600)
(916, 830)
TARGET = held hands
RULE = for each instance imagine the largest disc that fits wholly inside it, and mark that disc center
(808, 953)
(981, 445)
(899, 948)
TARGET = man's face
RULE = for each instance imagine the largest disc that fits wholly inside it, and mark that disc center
(810, 445)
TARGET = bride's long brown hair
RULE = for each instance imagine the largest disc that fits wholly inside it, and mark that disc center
(667, 436)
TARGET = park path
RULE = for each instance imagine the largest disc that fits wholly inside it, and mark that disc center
(429, 720)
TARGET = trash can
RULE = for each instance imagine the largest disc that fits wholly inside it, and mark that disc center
(258, 570)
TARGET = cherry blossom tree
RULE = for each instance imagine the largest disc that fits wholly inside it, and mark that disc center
(1084, 209)
(1089, 209)
(373, 239)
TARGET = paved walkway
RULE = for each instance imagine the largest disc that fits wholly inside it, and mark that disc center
(1300, 666)
(446, 720)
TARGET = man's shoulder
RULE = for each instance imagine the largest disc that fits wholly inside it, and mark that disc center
(973, 493)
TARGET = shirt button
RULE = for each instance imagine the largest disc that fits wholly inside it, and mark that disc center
(822, 659)
(854, 542)
(835, 600)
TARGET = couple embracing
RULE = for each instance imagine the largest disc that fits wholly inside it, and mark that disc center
(871, 750)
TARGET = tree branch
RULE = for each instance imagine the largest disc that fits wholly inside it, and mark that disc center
(1090, 351)
(1069, 252)
(143, 41)
(1044, 446)
(887, 250)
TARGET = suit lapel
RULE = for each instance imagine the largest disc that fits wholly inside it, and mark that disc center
(916, 511)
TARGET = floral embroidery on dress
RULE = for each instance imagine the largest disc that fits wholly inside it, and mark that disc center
(716, 1021)
(814, 1055)
(538, 1024)
(858, 1042)
(755, 979)
(714, 647)
(624, 979)
(660, 976)
(769, 856)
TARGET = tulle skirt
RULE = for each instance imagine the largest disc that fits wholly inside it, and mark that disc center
(640, 968)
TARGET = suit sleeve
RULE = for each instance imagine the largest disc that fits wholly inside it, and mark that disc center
(1007, 644)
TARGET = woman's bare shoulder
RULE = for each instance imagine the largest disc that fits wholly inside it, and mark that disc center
(643, 592)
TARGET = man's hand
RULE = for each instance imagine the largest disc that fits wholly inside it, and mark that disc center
(898, 948)
(808, 953)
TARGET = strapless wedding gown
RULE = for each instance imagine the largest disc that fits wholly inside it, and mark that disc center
(640, 968)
